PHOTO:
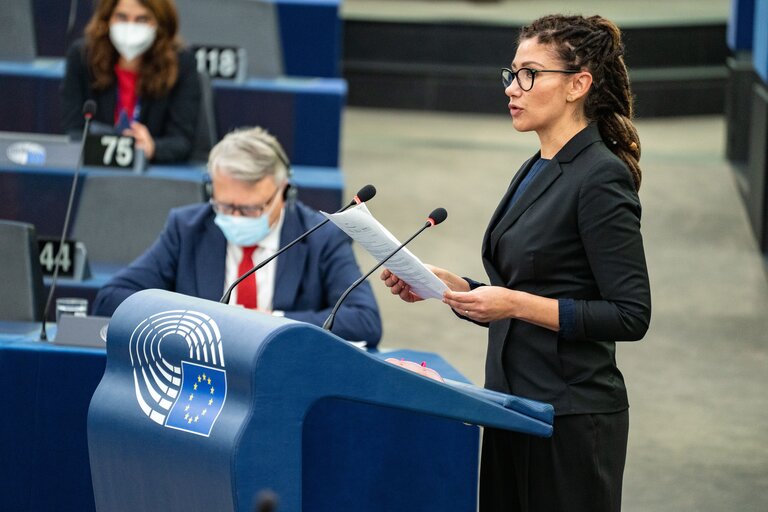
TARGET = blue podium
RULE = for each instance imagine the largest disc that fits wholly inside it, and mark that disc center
(202, 406)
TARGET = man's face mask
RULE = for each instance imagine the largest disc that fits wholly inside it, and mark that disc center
(244, 231)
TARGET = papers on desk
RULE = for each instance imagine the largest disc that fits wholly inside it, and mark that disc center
(364, 229)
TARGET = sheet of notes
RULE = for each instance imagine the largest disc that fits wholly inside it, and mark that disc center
(363, 228)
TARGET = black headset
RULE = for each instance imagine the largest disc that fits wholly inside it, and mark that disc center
(290, 193)
(290, 190)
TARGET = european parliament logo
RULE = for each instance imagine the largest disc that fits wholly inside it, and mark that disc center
(178, 370)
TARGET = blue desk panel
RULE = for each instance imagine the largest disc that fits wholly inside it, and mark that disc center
(44, 453)
(741, 25)
(303, 113)
(43, 446)
(760, 41)
(39, 195)
(310, 32)
(53, 35)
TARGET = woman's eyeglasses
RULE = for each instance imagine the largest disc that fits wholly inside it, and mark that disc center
(526, 76)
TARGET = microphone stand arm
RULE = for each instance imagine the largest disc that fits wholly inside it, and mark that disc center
(43, 332)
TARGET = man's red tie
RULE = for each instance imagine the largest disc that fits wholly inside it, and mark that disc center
(246, 290)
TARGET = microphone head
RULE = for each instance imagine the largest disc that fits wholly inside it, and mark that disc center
(437, 216)
(266, 501)
(365, 194)
(89, 108)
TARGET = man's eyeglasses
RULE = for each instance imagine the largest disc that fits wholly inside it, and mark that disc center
(526, 76)
(244, 210)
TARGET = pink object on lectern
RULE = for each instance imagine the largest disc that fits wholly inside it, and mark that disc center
(421, 369)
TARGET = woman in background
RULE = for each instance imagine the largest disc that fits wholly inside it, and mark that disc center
(566, 265)
(132, 64)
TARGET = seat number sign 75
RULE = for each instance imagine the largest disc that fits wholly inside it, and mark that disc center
(109, 151)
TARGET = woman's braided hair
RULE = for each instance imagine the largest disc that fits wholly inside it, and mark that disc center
(594, 44)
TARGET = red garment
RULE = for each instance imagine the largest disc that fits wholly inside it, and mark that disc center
(127, 92)
(247, 293)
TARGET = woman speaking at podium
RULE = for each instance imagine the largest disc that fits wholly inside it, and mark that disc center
(132, 64)
(566, 265)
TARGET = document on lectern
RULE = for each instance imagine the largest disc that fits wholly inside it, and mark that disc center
(363, 228)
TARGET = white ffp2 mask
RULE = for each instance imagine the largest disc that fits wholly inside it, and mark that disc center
(131, 39)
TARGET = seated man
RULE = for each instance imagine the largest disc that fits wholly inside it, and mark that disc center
(205, 247)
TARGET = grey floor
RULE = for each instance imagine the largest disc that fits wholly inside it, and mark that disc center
(697, 382)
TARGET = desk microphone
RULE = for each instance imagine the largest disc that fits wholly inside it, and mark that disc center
(364, 194)
(437, 216)
(89, 109)
(266, 501)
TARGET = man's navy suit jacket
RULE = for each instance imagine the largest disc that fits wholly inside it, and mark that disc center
(189, 257)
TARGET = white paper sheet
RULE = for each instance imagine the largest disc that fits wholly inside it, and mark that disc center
(363, 228)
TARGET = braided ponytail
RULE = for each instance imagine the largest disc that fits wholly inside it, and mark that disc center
(595, 44)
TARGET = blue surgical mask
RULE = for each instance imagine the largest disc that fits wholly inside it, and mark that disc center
(241, 230)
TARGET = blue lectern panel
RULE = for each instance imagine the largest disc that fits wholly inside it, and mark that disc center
(402, 469)
(283, 384)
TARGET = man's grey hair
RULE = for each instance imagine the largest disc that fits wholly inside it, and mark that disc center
(249, 154)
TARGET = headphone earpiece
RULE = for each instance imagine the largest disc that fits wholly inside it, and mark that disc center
(290, 190)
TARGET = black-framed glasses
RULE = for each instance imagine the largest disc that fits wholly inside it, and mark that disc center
(526, 76)
(244, 210)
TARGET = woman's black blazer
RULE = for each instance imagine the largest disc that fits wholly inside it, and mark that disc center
(574, 233)
(172, 119)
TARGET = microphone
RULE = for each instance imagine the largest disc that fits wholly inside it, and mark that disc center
(364, 194)
(266, 501)
(89, 109)
(437, 216)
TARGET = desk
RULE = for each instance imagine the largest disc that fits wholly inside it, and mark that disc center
(39, 195)
(43, 445)
(303, 113)
(87, 289)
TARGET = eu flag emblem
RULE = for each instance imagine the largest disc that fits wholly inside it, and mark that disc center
(201, 397)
